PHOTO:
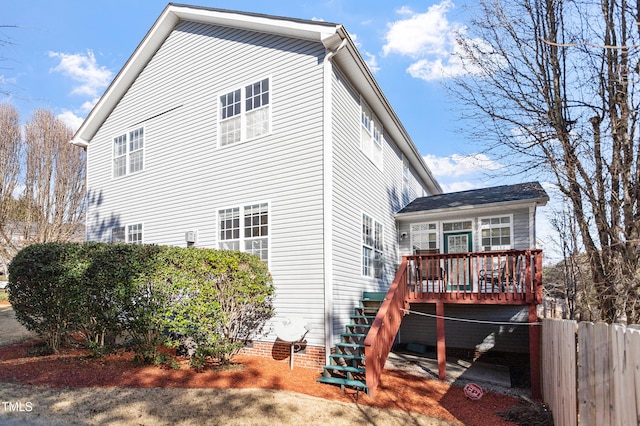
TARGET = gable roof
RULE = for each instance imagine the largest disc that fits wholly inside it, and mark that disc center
(530, 192)
(334, 37)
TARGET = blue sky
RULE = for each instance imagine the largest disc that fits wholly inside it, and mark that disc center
(63, 54)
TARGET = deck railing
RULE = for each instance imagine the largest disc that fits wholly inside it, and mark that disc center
(491, 277)
(383, 331)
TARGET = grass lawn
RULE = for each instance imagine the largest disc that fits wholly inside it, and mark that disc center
(4, 296)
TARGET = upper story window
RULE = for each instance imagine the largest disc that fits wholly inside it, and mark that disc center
(127, 234)
(496, 232)
(371, 135)
(372, 249)
(128, 153)
(406, 173)
(244, 113)
(245, 228)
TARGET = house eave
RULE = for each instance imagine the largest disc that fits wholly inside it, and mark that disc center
(474, 210)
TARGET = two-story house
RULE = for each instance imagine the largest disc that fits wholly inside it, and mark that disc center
(265, 134)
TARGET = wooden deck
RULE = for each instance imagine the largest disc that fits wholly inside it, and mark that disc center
(511, 277)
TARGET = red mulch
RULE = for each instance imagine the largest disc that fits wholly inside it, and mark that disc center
(21, 363)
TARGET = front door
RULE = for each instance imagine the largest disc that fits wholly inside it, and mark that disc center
(459, 269)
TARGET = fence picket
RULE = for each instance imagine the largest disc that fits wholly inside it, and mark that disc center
(586, 375)
(594, 381)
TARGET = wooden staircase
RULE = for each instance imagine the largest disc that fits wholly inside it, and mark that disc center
(347, 364)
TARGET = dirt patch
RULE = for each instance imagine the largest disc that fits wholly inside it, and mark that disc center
(73, 388)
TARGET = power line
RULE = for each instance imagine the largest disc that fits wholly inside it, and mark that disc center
(470, 320)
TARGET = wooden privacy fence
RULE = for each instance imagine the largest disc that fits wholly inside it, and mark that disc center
(591, 373)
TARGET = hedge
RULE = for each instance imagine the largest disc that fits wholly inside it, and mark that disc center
(147, 293)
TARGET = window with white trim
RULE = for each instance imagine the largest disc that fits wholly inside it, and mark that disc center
(406, 173)
(371, 135)
(244, 113)
(372, 248)
(252, 237)
(127, 234)
(128, 153)
(424, 236)
(496, 233)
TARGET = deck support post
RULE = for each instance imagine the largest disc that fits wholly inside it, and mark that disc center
(534, 353)
(442, 350)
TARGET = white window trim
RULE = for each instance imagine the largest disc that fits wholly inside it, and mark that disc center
(511, 231)
(243, 113)
(374, 221)
(127, 135)
(126, 232)
(375, 122)
(242, 239)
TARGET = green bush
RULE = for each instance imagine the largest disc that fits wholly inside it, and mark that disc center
(217, 299)
(46, 289)
(221, 300)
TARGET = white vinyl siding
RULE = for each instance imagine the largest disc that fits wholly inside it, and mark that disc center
(186, 180)
(245, 113)
(128, 153)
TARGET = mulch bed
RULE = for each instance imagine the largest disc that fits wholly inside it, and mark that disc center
(24, 363)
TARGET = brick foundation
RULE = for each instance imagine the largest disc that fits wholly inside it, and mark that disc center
(304, 356)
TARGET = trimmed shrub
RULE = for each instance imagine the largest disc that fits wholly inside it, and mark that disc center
(218, 300)
(221, 299)
(46, 289)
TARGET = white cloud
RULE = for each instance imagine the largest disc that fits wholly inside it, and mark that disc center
(404, 10)
(433, 42)
(71, 120)
(460, 165)
(83, 69)
(317, 19)
(421, 33)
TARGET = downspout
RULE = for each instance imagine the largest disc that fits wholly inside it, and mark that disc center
(327, 158)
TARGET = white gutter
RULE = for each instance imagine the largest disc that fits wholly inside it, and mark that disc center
(327, 158)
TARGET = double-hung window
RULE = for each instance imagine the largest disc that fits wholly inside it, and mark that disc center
(371, 135)
(245, 228)
(128, 153)
(372, 249)
(424, 236)
(244, 113)
(496, 232)
(127, 234)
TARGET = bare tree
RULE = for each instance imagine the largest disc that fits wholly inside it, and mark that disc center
(42, 182)
(554, 87)
(55, 180)
(10, 154)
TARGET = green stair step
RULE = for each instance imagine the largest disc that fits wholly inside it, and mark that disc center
(345, 369)
(344, 382)
(353, 335)
(377, 296)
(347, 357)
(350, 345)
